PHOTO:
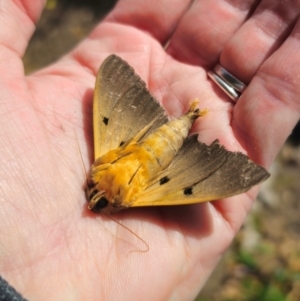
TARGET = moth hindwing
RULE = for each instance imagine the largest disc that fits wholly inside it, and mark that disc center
(142, 159)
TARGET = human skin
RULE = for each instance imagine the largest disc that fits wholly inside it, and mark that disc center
(51, 246)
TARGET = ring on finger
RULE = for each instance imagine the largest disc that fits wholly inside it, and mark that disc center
(232, 86)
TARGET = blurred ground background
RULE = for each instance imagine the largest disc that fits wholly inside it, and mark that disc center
(263, 263)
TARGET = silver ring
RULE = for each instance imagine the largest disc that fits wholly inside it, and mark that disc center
(227, 82)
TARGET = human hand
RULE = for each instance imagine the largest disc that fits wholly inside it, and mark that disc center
(51, 246)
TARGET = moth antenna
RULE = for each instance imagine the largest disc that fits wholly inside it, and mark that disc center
(138, 237)
(80, 154)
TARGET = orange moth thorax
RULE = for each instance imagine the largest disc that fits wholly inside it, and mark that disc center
(121, 174)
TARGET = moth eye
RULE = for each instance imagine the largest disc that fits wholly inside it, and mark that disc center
(188, 191)
(121, 143)
(101, 203)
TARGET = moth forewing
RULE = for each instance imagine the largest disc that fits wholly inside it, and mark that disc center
(236, 174)
(142, 159)
(122, 106)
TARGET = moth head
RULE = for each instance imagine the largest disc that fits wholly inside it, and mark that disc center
(98, 201)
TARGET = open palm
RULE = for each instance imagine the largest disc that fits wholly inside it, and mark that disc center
(51, 246)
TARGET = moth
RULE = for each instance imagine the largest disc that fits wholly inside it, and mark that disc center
(143, 159)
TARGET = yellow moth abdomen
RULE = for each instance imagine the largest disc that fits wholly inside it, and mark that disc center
(164, 143)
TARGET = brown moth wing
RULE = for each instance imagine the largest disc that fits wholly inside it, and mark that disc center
(200, 173)
(122, 106)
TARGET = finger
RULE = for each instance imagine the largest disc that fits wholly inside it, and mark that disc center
(270, 107)
(158, 18)
(17, 23)
(206, 27)
(259, 37)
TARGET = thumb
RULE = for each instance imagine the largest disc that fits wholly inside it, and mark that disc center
(17, 24)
